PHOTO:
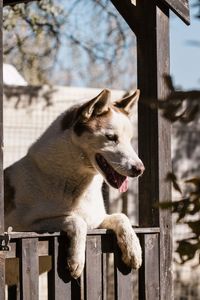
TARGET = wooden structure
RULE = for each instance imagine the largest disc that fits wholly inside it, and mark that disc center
(149, 20)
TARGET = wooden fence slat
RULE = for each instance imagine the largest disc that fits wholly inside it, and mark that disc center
(149, 285)
(107, 246)
(123, 278)
(93, 268)
(104, 276)
(59, 287)
(2, 275)
(29, 269)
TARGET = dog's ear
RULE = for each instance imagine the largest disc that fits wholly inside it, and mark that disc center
(97, 106)
(127, 103)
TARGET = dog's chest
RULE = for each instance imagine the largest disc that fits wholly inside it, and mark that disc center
(83, 198)
(91, 205)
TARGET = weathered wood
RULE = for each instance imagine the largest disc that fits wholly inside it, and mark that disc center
(59, 284)
(149, 286)
(180, 8)
(29, 269)
(93, 268)
(104, 276)
(123, 278)
(164, 160)
(129, 12)
(2, 275)
(155, 131)
(11, 2)
(16, 235)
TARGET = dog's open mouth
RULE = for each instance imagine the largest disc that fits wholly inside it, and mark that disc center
(115, 179)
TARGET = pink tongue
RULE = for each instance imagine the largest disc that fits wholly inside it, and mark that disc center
(124, 187)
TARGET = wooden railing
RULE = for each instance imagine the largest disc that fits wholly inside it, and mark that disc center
(94, 283)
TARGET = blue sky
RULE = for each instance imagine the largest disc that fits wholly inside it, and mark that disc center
(185, 57)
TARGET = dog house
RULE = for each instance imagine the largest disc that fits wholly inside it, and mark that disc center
(149, 20)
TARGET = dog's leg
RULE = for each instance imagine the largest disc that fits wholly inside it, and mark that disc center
(76, 229)
(126, 238)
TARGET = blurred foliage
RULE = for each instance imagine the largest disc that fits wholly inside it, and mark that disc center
(197, 5)
(188, 213)
(70, 43)
(184, 107)
(31, 37)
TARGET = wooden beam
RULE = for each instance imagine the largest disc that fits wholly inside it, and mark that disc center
(180, 8)
(11, 2)
(129, 12)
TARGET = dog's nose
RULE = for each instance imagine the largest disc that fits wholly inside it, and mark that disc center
(138, 169)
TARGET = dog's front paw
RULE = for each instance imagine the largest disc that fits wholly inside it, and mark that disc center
(75, 266)
(130, 248)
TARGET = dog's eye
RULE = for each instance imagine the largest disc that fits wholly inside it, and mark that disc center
(112, 137)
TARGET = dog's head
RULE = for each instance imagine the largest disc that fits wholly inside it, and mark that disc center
(104, 132)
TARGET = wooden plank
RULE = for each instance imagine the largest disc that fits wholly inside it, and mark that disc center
(155, 131)
(164, 159)
(93, 268)
(29, 269)
(151, 25)
(108, 244)
(180, 8)
(149, 285)
(2, 275)
(148, 118)
(59, 283)
(123, 278)
(104, 276)
(17, 235)
(128, 11)
(2, 255)
(11, 2)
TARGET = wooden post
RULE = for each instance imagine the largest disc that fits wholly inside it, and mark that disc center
(154, 131)
(150, 22)
(2, 255)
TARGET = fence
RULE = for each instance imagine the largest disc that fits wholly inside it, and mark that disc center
(27, 247)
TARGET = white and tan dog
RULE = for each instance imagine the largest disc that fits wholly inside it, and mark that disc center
(57, 185)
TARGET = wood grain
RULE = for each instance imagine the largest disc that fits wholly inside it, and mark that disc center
(29, 269)
(93, 268)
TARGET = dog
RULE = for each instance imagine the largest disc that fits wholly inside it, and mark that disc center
(57, 185)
